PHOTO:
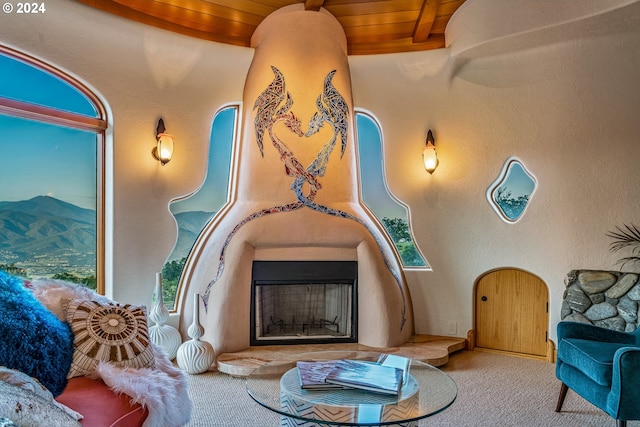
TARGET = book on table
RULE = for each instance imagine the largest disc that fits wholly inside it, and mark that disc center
(313, 374)
(400, 362)
(366, 376)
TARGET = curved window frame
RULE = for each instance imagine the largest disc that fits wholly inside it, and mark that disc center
(502, 183)
(426, 266)
(98, 124)
(173, 304)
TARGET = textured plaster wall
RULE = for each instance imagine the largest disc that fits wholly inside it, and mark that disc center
(563, 99)
(557, 87)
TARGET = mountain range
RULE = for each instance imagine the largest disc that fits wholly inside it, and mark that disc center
(190, 224)
(46, 230)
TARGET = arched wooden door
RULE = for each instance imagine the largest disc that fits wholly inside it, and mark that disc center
(512, 312)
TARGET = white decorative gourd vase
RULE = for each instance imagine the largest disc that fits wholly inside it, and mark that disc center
(195, 356)
(165, 336)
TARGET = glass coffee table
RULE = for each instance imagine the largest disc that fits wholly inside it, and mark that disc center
(276, 386)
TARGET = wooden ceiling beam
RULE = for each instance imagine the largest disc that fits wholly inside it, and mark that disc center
(314, 5)
(425, 20)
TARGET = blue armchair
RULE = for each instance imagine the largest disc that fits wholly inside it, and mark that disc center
(602, 366)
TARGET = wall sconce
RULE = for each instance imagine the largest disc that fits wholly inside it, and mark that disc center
(429, 155)
(164, 147)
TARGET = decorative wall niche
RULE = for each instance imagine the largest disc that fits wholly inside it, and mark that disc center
(510, 194)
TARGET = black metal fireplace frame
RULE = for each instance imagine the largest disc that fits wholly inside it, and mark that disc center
(301, 272)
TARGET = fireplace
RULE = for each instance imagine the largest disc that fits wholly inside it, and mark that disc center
(295, 196)
(309, 301)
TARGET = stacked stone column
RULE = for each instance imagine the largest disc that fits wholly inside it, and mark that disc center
(609, 299)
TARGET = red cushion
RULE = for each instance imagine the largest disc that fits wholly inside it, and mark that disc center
(100, 406)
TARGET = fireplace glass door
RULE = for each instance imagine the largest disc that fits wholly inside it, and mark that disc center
(303, 301)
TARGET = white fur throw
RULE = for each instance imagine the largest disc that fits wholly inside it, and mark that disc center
(52, 293)
(163, 390)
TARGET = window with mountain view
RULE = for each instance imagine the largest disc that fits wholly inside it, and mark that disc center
(193, 212)
(51, 193)
(376, 196)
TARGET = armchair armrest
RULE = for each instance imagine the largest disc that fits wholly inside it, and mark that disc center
(586, 331)
(625, 394)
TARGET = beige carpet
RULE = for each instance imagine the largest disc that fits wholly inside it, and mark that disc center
(493, 390)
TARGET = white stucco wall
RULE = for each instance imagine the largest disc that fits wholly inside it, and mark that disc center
(561, 94)
(561, 98)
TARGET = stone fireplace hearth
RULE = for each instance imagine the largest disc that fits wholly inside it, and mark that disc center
(295, 190)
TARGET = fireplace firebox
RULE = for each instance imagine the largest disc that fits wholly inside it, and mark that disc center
(310, 301)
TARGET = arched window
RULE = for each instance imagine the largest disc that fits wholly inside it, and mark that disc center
(52, 192)
(376, 196)
(194, 211)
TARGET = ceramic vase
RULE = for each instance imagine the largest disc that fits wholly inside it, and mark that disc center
(165, 336)
(195, 356)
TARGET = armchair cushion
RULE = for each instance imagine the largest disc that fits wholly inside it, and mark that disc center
(590, 332)
(602, 366)
(625, 394)
(594, 359)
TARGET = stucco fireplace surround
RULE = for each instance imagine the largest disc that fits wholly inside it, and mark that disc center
(295, 190)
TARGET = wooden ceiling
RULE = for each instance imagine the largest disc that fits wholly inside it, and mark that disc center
(371, 26)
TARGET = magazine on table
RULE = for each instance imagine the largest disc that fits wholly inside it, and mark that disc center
(313, 374)
(366, 376)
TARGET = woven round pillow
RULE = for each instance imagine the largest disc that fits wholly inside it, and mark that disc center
(113, 333)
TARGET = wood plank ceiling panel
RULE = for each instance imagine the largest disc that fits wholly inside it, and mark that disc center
(371, 26)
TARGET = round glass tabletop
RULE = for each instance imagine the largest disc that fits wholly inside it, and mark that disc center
(276, 386)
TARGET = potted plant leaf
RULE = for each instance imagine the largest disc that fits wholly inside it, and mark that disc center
(626, 237)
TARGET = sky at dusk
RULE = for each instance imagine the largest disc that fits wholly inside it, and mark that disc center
(26, 83)
(213, 193)
(374, 189)
(42, 159)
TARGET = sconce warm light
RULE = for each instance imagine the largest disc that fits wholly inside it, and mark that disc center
(164, 147)
(429, 155)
